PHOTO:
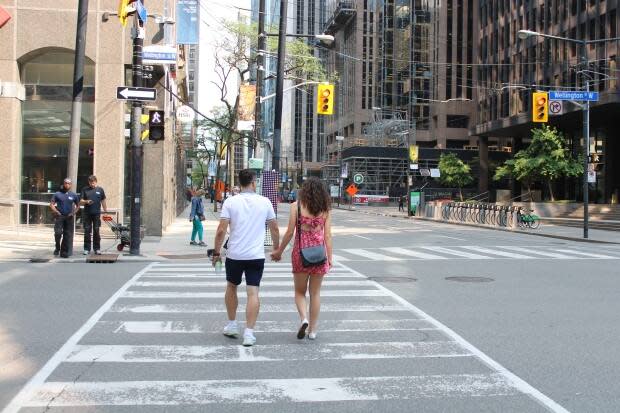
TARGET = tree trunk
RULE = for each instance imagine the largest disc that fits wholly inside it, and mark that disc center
(461, 194)
(550, 186)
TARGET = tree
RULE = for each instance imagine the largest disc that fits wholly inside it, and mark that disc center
(546, 159)
(454, 172)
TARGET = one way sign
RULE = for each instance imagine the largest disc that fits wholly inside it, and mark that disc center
(135, 93)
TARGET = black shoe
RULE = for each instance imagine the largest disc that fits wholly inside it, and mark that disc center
(56, 252)
(64, 255)
(302, 330)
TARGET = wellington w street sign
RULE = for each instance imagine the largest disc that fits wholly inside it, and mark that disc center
(135, 93)
(573, 95)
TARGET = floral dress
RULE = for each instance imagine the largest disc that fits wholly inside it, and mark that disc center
(312, 234)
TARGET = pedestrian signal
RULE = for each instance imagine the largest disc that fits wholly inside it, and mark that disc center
(540, 107)
(325, 100)
(156, 125)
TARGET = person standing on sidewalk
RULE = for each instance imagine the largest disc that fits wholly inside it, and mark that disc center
(196, 216)
(64, 205)
(93, 198)
(310, 223)
(246, 214)
(401, 203)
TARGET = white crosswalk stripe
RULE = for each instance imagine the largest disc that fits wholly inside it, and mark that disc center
(141, 350)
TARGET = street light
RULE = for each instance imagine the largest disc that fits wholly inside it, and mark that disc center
(340, 140)
(524, 34)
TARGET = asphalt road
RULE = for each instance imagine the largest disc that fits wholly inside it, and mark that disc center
(459, 319)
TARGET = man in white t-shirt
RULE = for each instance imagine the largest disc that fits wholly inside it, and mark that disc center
(246, 214)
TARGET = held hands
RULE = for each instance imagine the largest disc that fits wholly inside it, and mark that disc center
(276, 255)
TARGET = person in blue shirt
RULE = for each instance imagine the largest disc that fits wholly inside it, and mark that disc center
(93, 198)
(196, 216)
(64, 205)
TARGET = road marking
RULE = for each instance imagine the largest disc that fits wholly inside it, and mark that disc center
(360, 236)
(496, 252)
(371, 255)
(209, 270)
(38, 379)
(263, 294)
(222, 283)
(333, 389)
(413, 253)
(265, 308)
(334, 273)
(339, 258)
(184, 327)
(446, 236)
(518, 382)
(588, 254)
(279, 352)
(539, 252)
(458, 253)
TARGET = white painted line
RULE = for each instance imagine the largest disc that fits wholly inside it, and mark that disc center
(446, 236)
(279, 352)
(263, 294)
(463, 254)
(192, 327)
(331, 274)
(264, 308)
(518, 382)
(210, 270)
(497, 252)
(412, 253)
(222, 283)
(338, 258)
(589, 254)
(207, 264)
(332, 389)
(371, 255)
(361, 236)
(38, 379)
(539, 252)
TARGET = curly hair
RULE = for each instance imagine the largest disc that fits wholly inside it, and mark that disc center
(314, 196)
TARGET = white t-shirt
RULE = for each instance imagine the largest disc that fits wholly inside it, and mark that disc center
(247, 212)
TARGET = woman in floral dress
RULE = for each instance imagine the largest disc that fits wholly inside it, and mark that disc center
(315, 222)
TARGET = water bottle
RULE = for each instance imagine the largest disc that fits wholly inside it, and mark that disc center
(218, 267)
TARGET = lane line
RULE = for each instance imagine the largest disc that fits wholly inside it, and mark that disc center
(539, 252)
(265, 308)
(458, 253)
(38, 379)
(218, 284)
(371, 255)
(361, 236)
(267, 276)
(497, 252)
(518, 382)
(333, 389)
(339, 258)
(266, 352)
(589, 254)
(263, 294)
(413, 253)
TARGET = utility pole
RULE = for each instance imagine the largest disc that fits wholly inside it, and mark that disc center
(277, 137)
(138, 35)
(586, 140)
(78, 92)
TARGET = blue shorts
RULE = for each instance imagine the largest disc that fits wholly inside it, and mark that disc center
(253, 270)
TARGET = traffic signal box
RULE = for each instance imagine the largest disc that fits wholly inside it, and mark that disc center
(156, 125)
(325, 100)
(540, 107)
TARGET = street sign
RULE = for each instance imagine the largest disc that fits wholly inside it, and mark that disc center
(358, 179)
(159, 55)
(591, 177)
(351, 190)
(135, 93)
(556, 107)
(573, 95)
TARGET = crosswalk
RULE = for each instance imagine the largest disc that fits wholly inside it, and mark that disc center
(25, 247)
(469, 252)
(156, 345)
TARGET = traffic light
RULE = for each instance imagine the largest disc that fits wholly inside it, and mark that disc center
(540, 107)
(325, 100)
(124, 9)
(156, 125)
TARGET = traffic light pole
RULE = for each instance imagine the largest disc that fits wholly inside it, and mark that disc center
(586, 142)
(260, 72)
(136, 142)
(277, 122)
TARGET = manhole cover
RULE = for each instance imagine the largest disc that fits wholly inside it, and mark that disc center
(471, 279)
(394, 279)
(39, 260)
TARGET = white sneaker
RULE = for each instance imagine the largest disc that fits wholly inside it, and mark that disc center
(231, 330)
(312, 336)
(249, 340)
(97, 252)
(86, 252)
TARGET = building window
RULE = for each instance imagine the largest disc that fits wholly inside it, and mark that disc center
(457, 121)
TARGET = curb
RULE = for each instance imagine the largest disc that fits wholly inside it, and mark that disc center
(563, 237)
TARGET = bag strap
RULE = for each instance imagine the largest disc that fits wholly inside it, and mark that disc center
(299, 224)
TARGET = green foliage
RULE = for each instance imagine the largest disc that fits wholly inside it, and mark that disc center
(454, 172)
(546, 159)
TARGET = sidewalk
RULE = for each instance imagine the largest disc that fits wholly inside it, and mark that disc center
(545, 229)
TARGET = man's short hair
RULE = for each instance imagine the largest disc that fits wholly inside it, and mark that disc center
(92, 178)
(246, 177)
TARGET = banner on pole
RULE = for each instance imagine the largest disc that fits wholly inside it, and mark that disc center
(247, 104)
(187, 22)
